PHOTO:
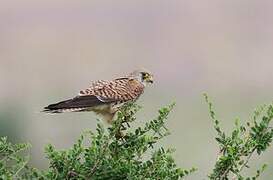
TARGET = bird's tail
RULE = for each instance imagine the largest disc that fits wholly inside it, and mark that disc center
(65, 110)
(77, 104)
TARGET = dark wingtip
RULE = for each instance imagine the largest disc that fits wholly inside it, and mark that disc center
(54, 108)
(45, 110)
(50, 109)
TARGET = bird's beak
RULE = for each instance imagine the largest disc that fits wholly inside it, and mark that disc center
(150, 80)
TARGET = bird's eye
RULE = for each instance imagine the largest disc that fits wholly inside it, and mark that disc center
(144, 75)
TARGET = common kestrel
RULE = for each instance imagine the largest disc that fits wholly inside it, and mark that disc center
(104, 97)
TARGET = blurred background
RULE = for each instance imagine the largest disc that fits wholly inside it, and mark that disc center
(49, 50)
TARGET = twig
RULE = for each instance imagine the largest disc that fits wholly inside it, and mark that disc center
(11, 154)
(247, 159)
(24, 164)
(225, 173)
(245, 163)
(93, 170)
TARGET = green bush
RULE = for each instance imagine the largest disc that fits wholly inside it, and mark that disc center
(125, 152)
(119, 152)
(237, 148)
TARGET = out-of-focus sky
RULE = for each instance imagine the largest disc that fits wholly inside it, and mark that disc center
(49, 50)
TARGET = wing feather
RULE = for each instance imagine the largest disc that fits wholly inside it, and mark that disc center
(122, 89)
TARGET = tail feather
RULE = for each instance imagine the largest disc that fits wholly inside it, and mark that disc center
(79, 103)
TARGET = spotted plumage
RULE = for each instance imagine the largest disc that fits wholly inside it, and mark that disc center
(104, 97)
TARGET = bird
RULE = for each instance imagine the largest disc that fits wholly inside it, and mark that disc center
(105, 97)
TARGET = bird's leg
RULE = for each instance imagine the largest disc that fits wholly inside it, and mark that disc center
(109, 118)
(114, 110)
(125, 120)
(120, 134)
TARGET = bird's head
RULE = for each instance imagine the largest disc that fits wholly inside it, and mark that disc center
(143, 76)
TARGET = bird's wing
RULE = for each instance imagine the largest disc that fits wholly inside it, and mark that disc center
(122, 89)
(100, 93)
